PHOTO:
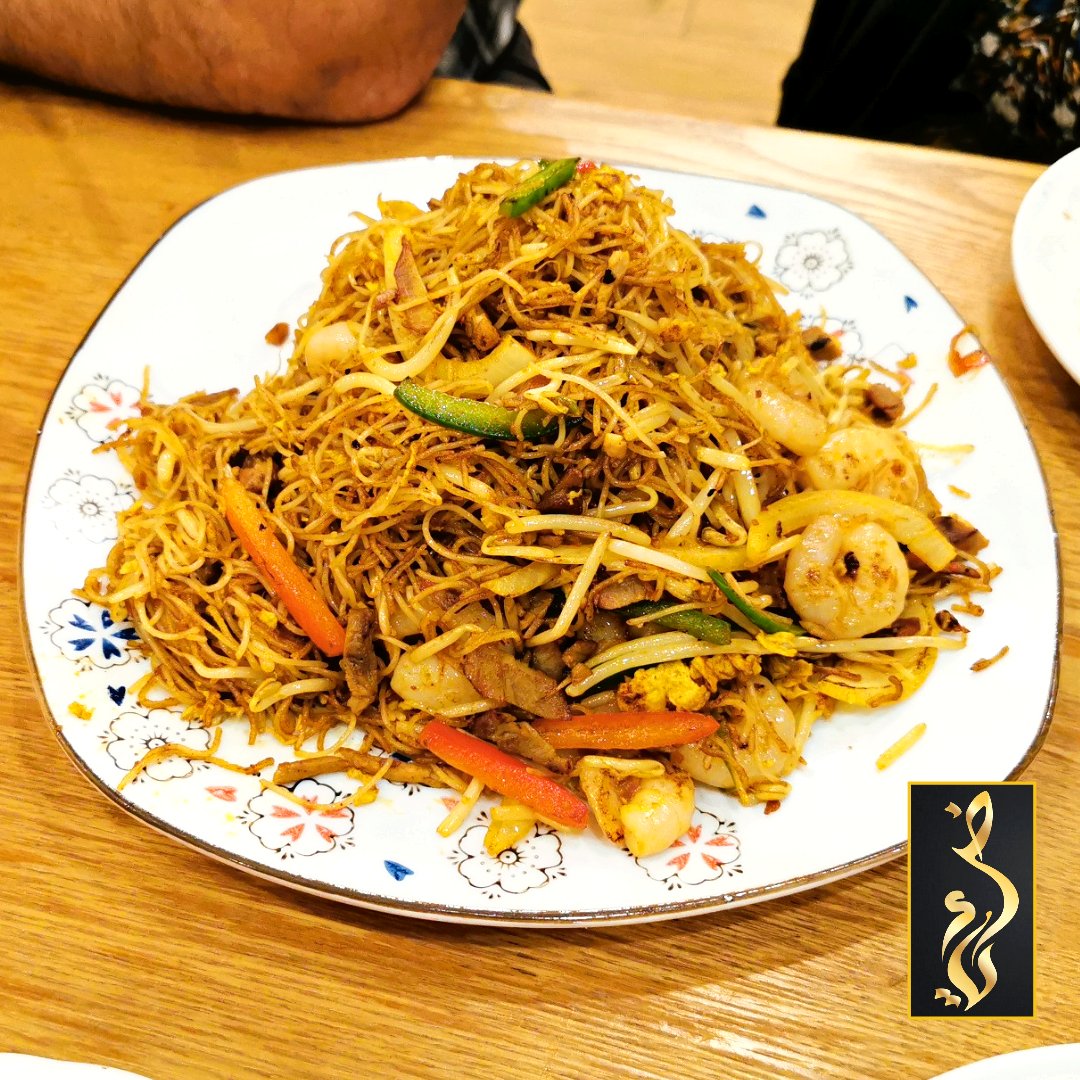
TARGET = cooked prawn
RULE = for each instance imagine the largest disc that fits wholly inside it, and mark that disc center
(870, 459)
(846, 579)
(791, 421)
(657, 814)
(758, 759)
(636, 802)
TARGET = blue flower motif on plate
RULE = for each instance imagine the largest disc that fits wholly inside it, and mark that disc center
(87, 632)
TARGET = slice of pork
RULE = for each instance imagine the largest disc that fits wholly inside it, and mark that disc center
(500, 676)
(358, 661)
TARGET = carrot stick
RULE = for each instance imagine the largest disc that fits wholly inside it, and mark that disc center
(505, 774)
(290, 583)
(627, 730)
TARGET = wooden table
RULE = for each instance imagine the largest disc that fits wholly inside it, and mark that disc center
(122, 947)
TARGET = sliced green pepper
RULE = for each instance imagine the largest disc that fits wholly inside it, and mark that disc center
(696, 623)
(550, 176)
(759, 618)
(474, 417)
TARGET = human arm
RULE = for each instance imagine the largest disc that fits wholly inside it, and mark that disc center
(331, 60)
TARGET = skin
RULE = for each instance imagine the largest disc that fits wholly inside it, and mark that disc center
(322, 60)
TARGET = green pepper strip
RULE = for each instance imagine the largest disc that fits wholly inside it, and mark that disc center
(474, 417)
(696, 623)
(759, 618)
(542, 183)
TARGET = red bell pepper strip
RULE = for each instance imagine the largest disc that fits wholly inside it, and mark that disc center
(960, 365)
(626, 730)
(504, 774)
(275, 563)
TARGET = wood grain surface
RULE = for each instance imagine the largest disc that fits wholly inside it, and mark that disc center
(121, 947)
(718, 61)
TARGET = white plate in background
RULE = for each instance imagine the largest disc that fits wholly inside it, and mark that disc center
(1046, 259)
(1040, 1063)
(26, 1067)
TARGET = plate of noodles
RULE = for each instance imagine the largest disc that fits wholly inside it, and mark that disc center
(536, 543)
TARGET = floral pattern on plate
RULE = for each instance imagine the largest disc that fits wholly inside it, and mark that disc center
(100, 408)
(708, 851)
(224, 792)
(87, 506)
(87, 633)
(811, 262)
(406, 788)
(844, 331)
(292, 829)
(396, 870)
(530, 864)
(132, 735)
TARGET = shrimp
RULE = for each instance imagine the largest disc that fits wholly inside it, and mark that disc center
(846, 579)
(657, 814)
(792, 421)
(759, 754)
(708, 768)
(637, 803)
(868, 459)
(327, 346)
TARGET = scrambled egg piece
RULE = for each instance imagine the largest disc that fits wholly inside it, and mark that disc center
(661, 686)
(790, 674)
(713, 670)
(681, 684)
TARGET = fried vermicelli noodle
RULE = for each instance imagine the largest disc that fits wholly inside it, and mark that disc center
(696, 506)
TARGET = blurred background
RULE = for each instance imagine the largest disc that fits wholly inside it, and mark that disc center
(715, 60)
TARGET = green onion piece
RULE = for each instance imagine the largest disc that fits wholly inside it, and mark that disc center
(759, 618)
(474, 417)
(696, 623)
(533, 189)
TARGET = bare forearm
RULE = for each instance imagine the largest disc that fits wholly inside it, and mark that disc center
(311, 59)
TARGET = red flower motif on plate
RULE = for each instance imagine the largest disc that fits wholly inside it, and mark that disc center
(292, 828)
(708, 850)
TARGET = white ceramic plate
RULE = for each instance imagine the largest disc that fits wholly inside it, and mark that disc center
(1046, 259)
(196, 309)
(1044, 1062)
(25, 1067)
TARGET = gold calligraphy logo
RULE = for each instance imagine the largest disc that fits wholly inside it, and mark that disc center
(969, 951)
